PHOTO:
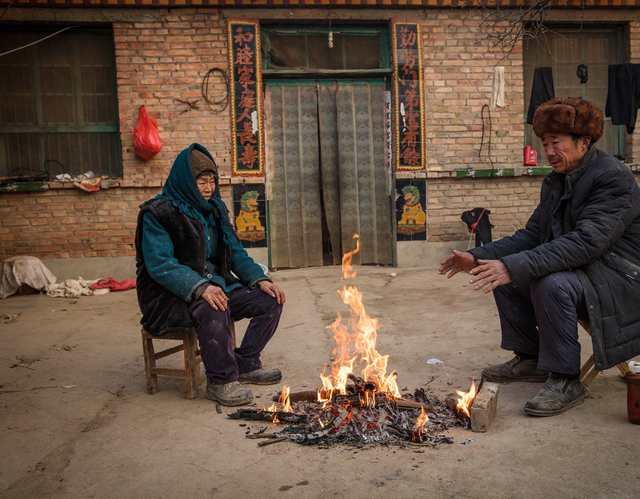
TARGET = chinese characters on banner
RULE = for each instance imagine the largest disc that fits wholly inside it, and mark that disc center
(246, 97)
(410, 147)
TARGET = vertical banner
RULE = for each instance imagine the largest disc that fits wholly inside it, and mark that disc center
(388, 135)
(246, 97)
(409, 100)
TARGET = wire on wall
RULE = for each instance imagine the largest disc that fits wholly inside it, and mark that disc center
(37, 41)
(482, 139)
(5, 10)
(217, 106)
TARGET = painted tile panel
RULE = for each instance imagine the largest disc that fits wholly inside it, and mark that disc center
(411, 218)
(250, 215)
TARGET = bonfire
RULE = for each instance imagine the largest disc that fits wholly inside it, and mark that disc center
(359, 402)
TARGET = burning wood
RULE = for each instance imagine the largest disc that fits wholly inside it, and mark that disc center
(266, 415)
(359, 409)
(352, 419)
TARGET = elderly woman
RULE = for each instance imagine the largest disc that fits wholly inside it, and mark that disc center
(578, 258)
(192, 272)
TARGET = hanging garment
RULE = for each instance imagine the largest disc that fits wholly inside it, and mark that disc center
(623, 96)
(541, 90)
(497, 94)
(478, 223)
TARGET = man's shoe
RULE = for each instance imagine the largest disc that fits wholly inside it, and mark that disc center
(557, 396)
(261, 377)
(517, 369)
(229, 394)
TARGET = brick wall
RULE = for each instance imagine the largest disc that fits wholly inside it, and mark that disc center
(159, 62)
(459, 68)
(511, 201)
(166, 58)
(70, 223)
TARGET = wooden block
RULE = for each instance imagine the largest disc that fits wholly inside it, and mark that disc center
(484, 406)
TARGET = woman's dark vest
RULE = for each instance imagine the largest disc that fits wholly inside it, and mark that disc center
(162, 311)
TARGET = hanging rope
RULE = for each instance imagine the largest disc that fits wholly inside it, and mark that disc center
(482, 139)
(217, 106)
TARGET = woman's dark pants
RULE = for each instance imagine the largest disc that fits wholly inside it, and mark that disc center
(540, 318)
(223, 364)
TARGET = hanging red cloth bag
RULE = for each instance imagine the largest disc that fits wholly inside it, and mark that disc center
(146, 139)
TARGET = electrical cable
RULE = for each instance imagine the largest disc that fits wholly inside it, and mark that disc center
(63, 169)
(224, 102)
(26, 174)
(482, 139)
(38, 41)
(6, 9)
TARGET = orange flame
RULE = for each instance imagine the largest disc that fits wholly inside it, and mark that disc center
(419, 426)
(347, 270)
(353, 349)
(283, 404)
(466, 399)
(284, 399)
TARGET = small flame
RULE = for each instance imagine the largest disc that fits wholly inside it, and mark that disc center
(418, 429)
(466, 399)
(348, 271)
(368, 399)
(284, 399)
(283, 405)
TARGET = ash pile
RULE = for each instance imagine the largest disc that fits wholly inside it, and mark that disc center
(359, 417)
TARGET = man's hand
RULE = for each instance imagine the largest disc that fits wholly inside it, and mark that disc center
(489, 274)
(460, 260)
(272, 290)
(215, 297)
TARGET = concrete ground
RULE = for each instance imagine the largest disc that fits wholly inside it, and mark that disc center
(76, 421)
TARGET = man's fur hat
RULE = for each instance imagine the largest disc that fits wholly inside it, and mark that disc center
(571, 115)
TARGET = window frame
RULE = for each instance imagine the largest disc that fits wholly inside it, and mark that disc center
(382, 32)
(617, 31)
(40, 128)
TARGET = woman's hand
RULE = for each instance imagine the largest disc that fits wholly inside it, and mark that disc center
(272, 290)
(215, 297)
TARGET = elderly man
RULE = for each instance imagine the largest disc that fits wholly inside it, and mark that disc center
(578, 258)
(192, 271)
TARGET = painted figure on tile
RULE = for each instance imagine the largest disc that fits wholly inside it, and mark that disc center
(413, 216)
(248, 220)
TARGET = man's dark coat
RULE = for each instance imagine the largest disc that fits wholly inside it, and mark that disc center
(587, 221)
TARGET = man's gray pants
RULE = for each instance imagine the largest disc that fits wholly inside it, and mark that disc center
(540, 318)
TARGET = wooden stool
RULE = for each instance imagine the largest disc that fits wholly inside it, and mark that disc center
(192, 358)
(588, 371)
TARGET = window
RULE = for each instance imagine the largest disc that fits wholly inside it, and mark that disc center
(295, 50)
(58, 104)
(564, 50)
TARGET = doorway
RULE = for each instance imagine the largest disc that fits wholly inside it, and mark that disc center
(327, 172)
